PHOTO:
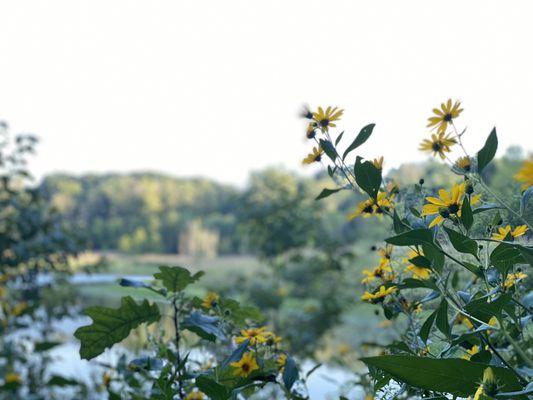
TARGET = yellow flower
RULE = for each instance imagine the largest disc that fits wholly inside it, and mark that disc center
(326, 118)
(439, 144)
(12, 378)
(380, 294)
(378, 163)
(315, 156)
(463, 320)
(364, 209)
(448, 204)
(272, 338)
(370, 207)
(504, 231)
(344, 348)
(210, 300)
(383, 271)
(311, 130)
(245, 366)
(19, 308)
(418, 272)
(464, 163)
(513, 278)
(281, 360)
(525, 174)
(489, 385)
(106, 379)
(385, 324)
(445, 115)
(3, 291)
(386, 252)
(254, 335)
(195, 396)
(471, 352)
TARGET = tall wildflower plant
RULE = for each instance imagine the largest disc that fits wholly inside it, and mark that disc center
(458, 284)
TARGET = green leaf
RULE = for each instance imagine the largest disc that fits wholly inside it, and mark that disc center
(398, 225)
(435, 255)
(205, 326)
(467, 218)
(461, 243)
(57, 380)
(175, 279)
(441, 319)
(475, 269)
(413, 237)
(327, 192)
(328, 149)
(487, 153)
(426, 326)
(367, 176)
(239, 313)
(111, 326)
(486, 207)
(412, 283)
(211, 388)
(448, 375)
(44, 346)
(236, 355)
(526, 196)
(420, 261)
(527, 253)
(290, 373)
(362, 137)
(504, 256)
(484, 310)
(337, 141)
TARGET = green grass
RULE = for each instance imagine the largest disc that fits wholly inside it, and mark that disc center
(220, 272)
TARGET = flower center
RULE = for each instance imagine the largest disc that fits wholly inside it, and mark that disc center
(453, 208)
(324, 122)
(436, 146)
(368, 209)
(245, 367)
(447, 117)
(444, 212)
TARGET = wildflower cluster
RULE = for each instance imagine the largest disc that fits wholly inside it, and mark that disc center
(451, 273)
(241, 354)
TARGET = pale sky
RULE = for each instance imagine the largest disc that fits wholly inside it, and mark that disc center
(213, 88)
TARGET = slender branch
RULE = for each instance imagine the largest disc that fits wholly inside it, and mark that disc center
(517, 348)
(181, 393)
(502, 203)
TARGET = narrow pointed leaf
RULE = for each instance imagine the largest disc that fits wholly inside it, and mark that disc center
(362, 137)
(487, 153)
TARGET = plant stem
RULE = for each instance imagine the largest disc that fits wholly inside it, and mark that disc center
(181, 393)
(520, 352)
(502, 203)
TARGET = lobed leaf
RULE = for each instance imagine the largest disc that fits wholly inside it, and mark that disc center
(111, 326)
(175, 279)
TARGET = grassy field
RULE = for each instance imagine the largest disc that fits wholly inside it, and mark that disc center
(220, 272)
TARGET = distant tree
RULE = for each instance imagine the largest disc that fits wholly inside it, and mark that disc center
(278, 213)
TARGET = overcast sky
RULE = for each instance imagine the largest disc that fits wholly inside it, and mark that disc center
(213, 88)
